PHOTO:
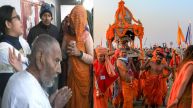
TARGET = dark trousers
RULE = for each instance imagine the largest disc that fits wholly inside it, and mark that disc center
(4, 77)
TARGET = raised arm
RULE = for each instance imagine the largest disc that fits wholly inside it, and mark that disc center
(169, 69)
(15, 61)
(146, 65)
(122, 69)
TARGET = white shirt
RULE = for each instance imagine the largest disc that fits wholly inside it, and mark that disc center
(5, 66)
(24, 91)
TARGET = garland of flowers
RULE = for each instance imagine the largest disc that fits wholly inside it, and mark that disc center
(138, 30)
(121, 13)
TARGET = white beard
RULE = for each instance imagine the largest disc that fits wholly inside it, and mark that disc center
(45, 82)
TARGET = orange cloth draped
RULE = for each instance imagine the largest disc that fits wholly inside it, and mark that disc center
(165, 72)
(175, 89)
(163, 80)
(117, 100)
(137, 85)
(192, 96)
(103, 84)
(78, 79)
(129, 89)
(78, 17)
(135, 88)
(164, 83)
(130, 92)
(79, 72)
(128, 95)
(153, 90)
(100, 70)
(142, 79)
(102, 101)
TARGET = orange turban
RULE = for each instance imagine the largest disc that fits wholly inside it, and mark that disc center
(109, 67)
(101, 51)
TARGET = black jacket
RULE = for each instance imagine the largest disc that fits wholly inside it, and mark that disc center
(40, 28)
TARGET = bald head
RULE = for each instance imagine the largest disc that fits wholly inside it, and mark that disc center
(45, 59)
(43, 43)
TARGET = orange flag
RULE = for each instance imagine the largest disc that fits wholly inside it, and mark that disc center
(180, 36)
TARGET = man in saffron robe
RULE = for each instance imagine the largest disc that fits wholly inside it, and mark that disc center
(154, 89)
(165, 71)
(78, 47)
(104, 76)
(126, 76)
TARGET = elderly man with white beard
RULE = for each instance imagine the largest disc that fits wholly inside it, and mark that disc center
(25, 89)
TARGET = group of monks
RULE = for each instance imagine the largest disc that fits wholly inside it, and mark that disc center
(123, 76)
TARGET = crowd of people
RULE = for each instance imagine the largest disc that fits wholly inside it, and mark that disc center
(53, 69)
(157, 76)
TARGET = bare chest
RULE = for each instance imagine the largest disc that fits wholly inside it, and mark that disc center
(156, 68)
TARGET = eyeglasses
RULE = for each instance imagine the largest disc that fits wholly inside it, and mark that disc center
(15, 17)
